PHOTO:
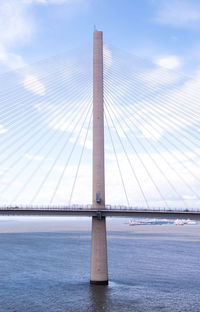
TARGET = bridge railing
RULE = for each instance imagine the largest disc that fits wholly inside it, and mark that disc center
(89, 207)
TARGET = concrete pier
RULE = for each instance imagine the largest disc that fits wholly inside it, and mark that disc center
(99, 267)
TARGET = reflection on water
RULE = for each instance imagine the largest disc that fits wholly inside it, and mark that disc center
(50, 272)
(99, 297)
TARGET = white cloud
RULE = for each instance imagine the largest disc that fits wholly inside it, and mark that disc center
(151, 131)
(17, 26)
(3, 129)
(157, 77)
(168, 109)
(43, 107)
(107, 57)
(34, 157)
(62, 124)
(114, 182)
(3, 170)
(114, 188)
(171, 111)
(87, 143)
(33, 84)
(15, 23)
(11, 60)
(169, 62)
(67, 122)
(189, 197)
(156, 111)
(179, 13)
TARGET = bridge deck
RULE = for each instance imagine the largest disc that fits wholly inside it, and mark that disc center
(108, 212)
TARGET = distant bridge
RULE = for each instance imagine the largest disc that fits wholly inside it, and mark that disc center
(108, 211)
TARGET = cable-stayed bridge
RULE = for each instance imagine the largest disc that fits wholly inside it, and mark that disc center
(58, 117)
(151, 133)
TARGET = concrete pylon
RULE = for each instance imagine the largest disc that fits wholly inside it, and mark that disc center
(99, 266)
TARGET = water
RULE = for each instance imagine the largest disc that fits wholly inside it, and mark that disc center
(148, 272)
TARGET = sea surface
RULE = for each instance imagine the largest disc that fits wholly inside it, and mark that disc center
(148, 271)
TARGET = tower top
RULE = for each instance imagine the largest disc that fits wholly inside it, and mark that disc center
(97, 34)
(96, 30)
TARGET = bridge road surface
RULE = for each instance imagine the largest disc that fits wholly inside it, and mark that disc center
(107, 212)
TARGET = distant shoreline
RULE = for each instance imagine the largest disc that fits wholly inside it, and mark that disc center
(61, 225)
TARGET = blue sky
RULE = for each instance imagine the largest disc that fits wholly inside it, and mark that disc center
(36, 29)
(158, 44)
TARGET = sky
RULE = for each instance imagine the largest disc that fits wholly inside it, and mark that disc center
(166, 32)
(43, 42)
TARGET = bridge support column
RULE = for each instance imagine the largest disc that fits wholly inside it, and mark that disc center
(99, 267)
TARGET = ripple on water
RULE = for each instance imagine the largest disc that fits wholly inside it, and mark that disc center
(50, 272)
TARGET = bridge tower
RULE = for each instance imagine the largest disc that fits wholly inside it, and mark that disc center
(99, 266)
